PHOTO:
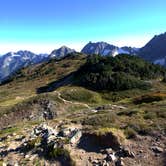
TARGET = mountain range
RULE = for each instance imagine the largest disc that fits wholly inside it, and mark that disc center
(11, 62)
(154, 51)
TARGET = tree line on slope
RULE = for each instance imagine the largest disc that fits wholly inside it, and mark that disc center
(117, 73)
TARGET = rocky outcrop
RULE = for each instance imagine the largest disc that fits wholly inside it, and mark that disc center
(35, 109)
(43, 142)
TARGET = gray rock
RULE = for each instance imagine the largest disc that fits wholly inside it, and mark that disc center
(95, 162)
(75, 137)
(4, 164)
(27, 156)
(128, 153)
(119, 162)
(105, 163)
(109, 151)
(111, 157)
(157, 149)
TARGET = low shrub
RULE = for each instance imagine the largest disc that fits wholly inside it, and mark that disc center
(149, 98)
(104, 120)
(128, 112)
(150, 115)
(130, 133)
(60, 153)
(33, 143)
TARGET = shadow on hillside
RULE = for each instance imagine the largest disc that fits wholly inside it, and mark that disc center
(89, 145)
(56, 84)
(24, 150)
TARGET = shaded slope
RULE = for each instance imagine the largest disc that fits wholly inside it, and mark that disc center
(155, 50)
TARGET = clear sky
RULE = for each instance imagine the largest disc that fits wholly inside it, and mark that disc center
(43, 25)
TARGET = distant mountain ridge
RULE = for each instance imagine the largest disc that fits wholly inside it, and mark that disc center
(105, 49)
(13, 61)
(154, 51)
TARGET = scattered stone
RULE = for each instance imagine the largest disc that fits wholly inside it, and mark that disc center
(75, 136)
(128, 153)
(3, 139)
(33, 157)
(16, 164)
(111, 157)
(105, 163)
(119, 162)
(94, 111)
(66, 132)
(90, 159)
(141, 151)
(4, 164)
(95, 162)
(27, 156)
(44, 131)
(109, 151)
(157, 149)
(157, 154)
(9, 136)
(19, 137)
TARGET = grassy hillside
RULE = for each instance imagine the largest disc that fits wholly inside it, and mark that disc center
(25, 82)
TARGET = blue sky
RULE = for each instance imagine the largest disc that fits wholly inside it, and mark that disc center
(43, 25)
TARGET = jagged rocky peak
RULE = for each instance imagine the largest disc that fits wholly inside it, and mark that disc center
(98, 48)
(61, 52)
(106, 49)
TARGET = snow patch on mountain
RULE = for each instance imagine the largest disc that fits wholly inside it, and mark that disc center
(160, 61)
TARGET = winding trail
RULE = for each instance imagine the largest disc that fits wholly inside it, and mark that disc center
(71, 102)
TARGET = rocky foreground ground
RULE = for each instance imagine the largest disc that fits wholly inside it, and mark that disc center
(50, 143)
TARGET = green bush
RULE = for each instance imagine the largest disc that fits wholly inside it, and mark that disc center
(128, 112)
(119, 73)
(55, 153)
(140, 127)
(31, 144)
(150, 115)
(147, 99)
